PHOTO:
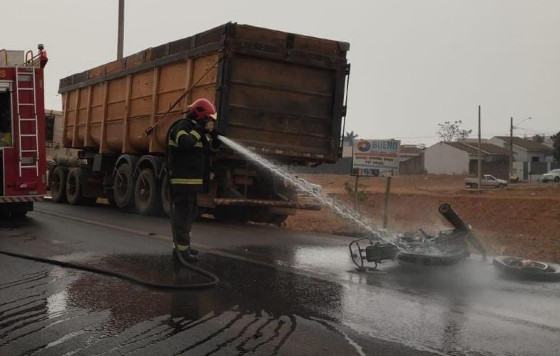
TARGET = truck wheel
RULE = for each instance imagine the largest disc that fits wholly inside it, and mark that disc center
(146, 193)
(500, 186)
(58, 184)
(19, 215)
(165, 202)
(123, 187)
(556, 179)
(74, 189)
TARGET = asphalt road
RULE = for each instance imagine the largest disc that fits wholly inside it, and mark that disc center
(281, 293)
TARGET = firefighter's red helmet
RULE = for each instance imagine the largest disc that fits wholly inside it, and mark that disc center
(202, 108)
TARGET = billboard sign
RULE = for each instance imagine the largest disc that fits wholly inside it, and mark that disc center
(375, 157)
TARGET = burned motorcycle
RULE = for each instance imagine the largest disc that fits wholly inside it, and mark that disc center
(447, 248)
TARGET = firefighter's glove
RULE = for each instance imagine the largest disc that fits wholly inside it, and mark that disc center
(214, 134)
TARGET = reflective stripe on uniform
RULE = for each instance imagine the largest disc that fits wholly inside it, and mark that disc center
(198, 144)
(179, 134)
(186, 181)
(182, 247)
(193, 132)
(173, 143)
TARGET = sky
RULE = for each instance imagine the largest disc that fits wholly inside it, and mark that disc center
(415, 63)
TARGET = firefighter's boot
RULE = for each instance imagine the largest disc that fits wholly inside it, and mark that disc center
(188, 254)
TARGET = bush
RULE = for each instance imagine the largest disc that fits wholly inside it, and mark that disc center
(350, 189)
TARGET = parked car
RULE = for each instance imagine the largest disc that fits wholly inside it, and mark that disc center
(488, 181)
(552, 176)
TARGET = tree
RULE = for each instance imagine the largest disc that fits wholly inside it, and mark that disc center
(556, 145)
(538, 138)
(449, 131)
(350, 136)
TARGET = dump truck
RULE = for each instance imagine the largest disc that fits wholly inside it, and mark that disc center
(22, 130)
(280, 94)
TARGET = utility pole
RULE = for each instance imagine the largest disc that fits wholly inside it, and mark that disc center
(386, 204)
(120, 39)
(479, 155)
(511, 148)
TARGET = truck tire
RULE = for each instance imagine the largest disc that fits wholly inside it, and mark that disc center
(147, 193)
(556, 179)
(500, 186)
(58, 184)
(19, 215)
(165, 202)
(74, 189)
(123, 187)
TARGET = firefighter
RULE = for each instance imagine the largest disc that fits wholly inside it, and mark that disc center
(191, 143)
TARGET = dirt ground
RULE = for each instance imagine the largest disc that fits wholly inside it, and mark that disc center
(522, 219)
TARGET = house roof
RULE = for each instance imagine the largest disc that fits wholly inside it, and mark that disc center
(486, 149)
(529, 145)
(411, 150)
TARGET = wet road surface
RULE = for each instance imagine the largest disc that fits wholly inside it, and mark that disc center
(282, 293)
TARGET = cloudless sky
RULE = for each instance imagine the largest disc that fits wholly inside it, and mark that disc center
(415, 63)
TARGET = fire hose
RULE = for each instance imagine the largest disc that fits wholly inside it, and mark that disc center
(213, 279)
(123, 276)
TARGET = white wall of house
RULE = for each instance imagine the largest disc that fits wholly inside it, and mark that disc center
(444, 159)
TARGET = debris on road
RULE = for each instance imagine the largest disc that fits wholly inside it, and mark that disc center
(521, 268)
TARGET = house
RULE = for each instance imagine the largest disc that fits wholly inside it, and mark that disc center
(525, 150)
(411, 159)
(462, 158)
(530, 158)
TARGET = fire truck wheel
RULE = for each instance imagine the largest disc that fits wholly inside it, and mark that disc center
(58, 184)
(73, 187)
(146, 193)
(165, 203)
(19, 215)
(123, 187)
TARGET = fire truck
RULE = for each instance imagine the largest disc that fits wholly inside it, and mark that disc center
(22, 130)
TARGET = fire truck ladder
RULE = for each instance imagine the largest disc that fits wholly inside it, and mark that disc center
(27, 161)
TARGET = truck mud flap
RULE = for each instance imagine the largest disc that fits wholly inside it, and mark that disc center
(534, 270)
(267, 203)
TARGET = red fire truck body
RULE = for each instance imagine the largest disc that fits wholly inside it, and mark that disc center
(22, 131)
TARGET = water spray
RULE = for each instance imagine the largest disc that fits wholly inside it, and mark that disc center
(443, 249)
(337, 207)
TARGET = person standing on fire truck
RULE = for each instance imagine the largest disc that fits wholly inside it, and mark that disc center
(191, 142)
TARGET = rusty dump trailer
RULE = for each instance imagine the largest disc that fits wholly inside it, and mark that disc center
(281, 94)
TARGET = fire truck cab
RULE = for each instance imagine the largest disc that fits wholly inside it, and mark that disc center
(22, 131)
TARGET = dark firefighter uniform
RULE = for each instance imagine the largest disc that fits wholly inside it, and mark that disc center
(190, 149)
